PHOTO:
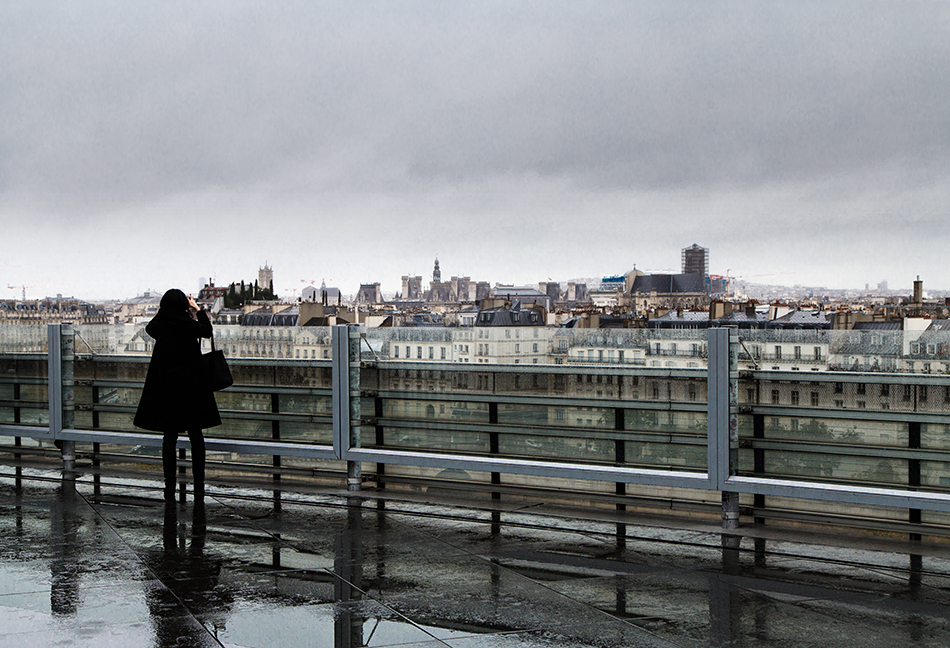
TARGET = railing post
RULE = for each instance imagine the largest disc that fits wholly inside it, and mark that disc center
(354, 469)
(346, 400)
(61, 339)
(54, 373)
(723, 417)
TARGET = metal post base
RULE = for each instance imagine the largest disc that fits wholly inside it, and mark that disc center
(730, 510)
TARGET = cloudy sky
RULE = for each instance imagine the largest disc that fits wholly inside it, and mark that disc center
(147, 144)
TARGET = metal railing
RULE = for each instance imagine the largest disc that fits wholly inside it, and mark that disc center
(761, 443)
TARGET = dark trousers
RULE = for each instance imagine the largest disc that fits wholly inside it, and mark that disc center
(170, 461)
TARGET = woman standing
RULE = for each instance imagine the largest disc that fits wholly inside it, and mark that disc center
(177, 398)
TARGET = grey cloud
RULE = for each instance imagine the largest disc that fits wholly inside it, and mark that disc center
(133, 101)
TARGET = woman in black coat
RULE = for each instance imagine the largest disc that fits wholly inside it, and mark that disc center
(177, 397)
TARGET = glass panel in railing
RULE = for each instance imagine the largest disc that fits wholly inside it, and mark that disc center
(663, 438)
(25, 415)
(422, 408)
(233, 427)
(416, 378)
(271, 342)
(304, 404)
(307, 432)
(23, 402)
(555, 415)
(14, 367)
(536, 345)
(935, 436)
(840, 432)
(935, 474)
(869, 471)
(89, 367)
(23, 338)
(565, 447)
(804, 349)
(432, 438)
(850, 391)
(913, 346)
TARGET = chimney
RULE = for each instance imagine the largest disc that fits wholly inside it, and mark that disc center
(918, 291)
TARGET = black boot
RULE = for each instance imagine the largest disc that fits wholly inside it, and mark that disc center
(169, 465)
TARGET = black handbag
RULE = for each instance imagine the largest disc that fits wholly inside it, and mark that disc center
(216, 369)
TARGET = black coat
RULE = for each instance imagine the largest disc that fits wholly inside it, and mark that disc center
(177, 397)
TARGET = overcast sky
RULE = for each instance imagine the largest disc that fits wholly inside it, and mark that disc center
(147, 144)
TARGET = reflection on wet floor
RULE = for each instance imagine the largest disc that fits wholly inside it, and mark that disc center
(86, 563)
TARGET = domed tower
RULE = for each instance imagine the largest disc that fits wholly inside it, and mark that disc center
(436, 273)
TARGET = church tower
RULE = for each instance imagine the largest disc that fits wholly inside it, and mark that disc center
(265, 278)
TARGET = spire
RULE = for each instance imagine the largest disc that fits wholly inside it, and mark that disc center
(436, 273)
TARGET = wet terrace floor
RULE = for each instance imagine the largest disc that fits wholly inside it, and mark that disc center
(93, 562)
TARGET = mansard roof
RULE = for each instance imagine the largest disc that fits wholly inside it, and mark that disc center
(263, 317)
(743, 320)
(670, 283)
(891, 325)
(514, 316)
(681, 319)
(799, 319)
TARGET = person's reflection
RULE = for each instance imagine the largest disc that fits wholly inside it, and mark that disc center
(190, 578)
(64, 567)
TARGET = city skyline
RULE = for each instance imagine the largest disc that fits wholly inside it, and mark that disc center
(147, 146)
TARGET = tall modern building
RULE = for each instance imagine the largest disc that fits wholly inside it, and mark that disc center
(696, 260)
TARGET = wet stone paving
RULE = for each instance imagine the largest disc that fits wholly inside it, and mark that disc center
(107, 564)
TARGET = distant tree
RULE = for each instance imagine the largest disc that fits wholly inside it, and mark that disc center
(232, 299)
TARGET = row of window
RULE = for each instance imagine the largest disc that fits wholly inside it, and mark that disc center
(797, 354)
(860, 389)
(672, 348)
(486, 333)
(430, 353)
(602, 355)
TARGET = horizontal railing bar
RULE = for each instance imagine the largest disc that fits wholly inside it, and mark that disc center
(242, 388)
(542, 430)
(22, 403)
(593, 369)
(845, 377)
(562, 470)
(628, 500)
(810, 517)
(550, 401)
(232, 360)
(841, 493)
(237, 415)
(38, 432)
(896, 416)
(217, 444)
(832, 448)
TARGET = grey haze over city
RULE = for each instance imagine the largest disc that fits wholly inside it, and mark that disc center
(145, 145)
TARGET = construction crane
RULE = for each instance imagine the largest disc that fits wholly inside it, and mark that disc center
(23, 287)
